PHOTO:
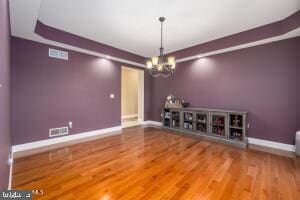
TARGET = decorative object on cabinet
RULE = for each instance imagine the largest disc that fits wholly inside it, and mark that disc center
(174, 102)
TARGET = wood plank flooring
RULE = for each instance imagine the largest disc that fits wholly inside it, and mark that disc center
(150, 163)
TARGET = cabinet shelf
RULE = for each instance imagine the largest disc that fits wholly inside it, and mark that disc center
(217, 135)
(235, 127)
(218, 125)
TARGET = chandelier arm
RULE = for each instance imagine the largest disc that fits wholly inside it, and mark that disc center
(154, 74)
(168, 68)
(167, 75)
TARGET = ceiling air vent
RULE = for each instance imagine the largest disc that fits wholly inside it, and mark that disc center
(54, 53)
(58, 131)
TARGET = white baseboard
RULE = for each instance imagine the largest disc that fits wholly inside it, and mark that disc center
(271, 144)
(47, 142)
(149, 122)
(43, 143)
(11, 162)
(129, 116)
(265, 143)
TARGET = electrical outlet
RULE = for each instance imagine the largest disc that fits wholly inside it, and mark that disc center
(248, 125)
(112, 96)
(70, 124)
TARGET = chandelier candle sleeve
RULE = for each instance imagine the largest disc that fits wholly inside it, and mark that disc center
(160, 65)
(155, 60)
(171, 60)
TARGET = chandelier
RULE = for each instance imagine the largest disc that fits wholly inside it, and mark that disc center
(160, 65)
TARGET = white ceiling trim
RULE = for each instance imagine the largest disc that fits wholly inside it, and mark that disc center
(294, 33)
(291, 34)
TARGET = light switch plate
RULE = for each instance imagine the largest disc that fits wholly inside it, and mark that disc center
(70, 124)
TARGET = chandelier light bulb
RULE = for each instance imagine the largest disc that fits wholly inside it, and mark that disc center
(173, 66)
(149, 64)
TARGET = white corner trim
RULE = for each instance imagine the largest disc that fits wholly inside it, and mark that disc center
(149, 122)
(275, 145)
(11, 162)
(47, 142)
(129, 116)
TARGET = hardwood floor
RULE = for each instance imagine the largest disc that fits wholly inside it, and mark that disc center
(149, 163)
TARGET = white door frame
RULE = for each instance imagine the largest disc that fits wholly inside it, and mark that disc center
(140, 99)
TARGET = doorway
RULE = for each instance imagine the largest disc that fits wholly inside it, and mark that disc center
(132, 97)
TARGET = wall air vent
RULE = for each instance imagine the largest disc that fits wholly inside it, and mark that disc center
(58, 131)
(54, 53)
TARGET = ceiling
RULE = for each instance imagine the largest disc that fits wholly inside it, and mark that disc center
(133, 25)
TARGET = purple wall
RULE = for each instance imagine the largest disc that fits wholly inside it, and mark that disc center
(147, 96)
(4, 93)
(48, 93)
(298, 64)
(263, 80)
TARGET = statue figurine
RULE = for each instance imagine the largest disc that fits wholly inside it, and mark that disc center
(236, 121)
